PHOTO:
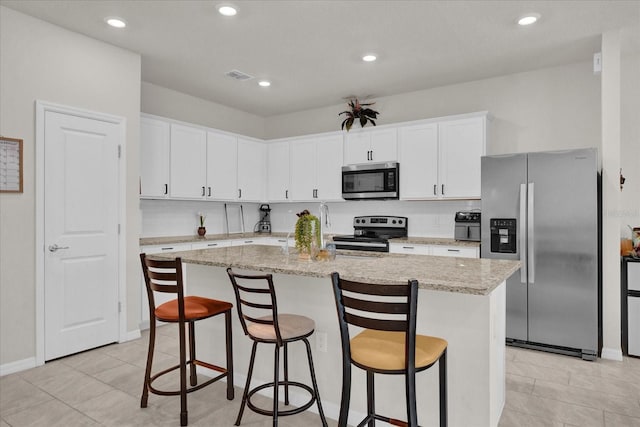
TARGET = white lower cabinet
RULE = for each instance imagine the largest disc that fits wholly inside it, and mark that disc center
(435, 250)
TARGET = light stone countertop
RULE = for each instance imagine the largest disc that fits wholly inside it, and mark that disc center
(147, 241)
(450, 274)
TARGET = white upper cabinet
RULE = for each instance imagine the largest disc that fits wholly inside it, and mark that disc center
(329, 172)
(278, 171)
(222, 166)
(316, 168)
(462, 144)
(154, 158)
(418, 158)
(441, 160)
(252, 170)
(188, 162)
(370, 145)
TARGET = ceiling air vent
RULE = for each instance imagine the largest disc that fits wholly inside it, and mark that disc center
(238, 75)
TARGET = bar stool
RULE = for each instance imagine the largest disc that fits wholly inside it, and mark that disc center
(388, 344)
(272, 328)
(166, 276)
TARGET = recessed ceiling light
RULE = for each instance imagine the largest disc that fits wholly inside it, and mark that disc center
(264, 83)
(528, 19)
(115, 22)
(227, 10)
(369, 58)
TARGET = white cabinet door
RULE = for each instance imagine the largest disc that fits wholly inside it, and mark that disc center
(303, 171)
(188, 162)
(278, 171)
(462, 144)
(329, 168)
(222, 166)
(418, 158)
(384, 145)
(370, 145)
(154, 158)
(251, 170)
(454, 251)
(357, 146)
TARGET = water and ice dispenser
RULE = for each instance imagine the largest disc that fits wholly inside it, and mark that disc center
(503, 235)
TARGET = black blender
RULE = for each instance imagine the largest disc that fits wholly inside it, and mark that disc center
(264, 225)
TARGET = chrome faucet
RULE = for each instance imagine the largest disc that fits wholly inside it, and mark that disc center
(324, 222)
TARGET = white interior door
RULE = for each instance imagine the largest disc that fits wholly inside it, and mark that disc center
(81, 165)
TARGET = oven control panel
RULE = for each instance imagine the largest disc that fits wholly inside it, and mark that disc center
(380, 221)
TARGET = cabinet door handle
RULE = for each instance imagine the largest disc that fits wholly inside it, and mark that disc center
(239, 193)
(166, 249)
(166, 189)
(209, 191)
(371, 155)
(203, 191)
(212, 244)
(408, 247)
(435, 192)
(286, 194)
(248, 241)
(453, 250)
(442, 190)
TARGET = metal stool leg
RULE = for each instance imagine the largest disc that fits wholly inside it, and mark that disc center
(183, 377)
(192, 354)
(315, 383)
(247, 385)
(443, 388)
(371, 398)
(276, 377)
(410, 388)
(147, 373)
(286, 374)
(229, 339)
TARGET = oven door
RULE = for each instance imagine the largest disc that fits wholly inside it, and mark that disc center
(361, 244)
(370, 181)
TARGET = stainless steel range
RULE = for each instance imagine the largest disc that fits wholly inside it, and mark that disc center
(372, 233)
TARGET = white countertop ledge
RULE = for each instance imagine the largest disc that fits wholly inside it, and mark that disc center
(449, 274)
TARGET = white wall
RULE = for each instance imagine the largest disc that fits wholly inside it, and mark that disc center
(630, 144)
(179, 106)
(40, 61)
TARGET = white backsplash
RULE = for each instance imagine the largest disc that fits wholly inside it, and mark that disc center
(178, 218)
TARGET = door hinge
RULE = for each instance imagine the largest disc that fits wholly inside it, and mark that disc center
(118, 228)
(119, 151)
(119, 307)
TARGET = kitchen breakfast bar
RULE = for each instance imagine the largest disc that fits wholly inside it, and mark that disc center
(461, 300)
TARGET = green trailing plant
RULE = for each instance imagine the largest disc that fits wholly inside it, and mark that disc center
(307, 229)
(359, 111)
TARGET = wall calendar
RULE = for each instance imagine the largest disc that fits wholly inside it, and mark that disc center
(10, 165)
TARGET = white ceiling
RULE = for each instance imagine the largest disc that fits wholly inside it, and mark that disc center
(310, 50)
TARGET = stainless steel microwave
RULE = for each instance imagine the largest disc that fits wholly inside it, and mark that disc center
(371, 181)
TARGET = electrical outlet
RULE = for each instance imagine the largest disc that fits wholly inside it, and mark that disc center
(321, 341)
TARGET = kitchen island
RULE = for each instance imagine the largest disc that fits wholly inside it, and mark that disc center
(461, 300)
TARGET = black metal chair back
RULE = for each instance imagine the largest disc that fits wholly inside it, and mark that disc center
(166, 277)
(256, 301)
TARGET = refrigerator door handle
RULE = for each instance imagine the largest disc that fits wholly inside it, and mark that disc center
(530, 235)
(523, 233)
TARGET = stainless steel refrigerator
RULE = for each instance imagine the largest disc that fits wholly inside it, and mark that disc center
(543, 209)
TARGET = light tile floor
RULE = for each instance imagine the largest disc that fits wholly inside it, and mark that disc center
(102, 388)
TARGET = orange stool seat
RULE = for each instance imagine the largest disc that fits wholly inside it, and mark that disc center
(195, 308)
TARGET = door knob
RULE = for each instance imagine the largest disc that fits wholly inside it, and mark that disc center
(55, 247)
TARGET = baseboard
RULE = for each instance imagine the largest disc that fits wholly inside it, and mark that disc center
(612, 354)
(17, 366)
(296, 398)
(132, 335)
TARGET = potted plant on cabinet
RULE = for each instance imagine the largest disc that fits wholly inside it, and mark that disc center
(307, 234)
(359, 111)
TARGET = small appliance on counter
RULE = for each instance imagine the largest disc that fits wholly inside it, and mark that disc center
(630, 306)
(264, 225)
(467, 226)
(372, 233)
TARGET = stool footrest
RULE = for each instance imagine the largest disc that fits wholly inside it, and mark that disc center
(191, 389)
(288, 411)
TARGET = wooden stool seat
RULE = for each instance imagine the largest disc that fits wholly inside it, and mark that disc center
(292, 327)
(195, 308)
(385, 350)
